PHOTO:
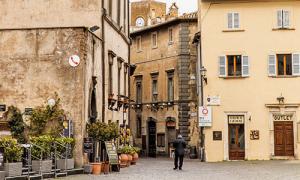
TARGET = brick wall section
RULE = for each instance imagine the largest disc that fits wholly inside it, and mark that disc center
(184, 77)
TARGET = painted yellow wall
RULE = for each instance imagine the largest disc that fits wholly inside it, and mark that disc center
(248, 96)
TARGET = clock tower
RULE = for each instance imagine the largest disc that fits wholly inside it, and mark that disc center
(146, 13)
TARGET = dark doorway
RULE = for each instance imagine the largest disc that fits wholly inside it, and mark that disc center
(152, 138)
(236, 142)
(284, 138)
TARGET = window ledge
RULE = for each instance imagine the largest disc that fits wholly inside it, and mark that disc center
(288, 76)
(233, 30)
(283, 29)
(154, 47)
(235, 77)
(170, 43)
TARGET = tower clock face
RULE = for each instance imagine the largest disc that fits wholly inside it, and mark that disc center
(140, 22)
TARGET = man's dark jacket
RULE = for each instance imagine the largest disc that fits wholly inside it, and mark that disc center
(179, 145)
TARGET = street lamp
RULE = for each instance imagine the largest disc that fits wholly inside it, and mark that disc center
(51, 102)
(203, 71)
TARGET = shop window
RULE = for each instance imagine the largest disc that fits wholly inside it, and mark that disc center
(138, 127)
(160, 140)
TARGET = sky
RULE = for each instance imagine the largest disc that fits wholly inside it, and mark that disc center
(185, 6)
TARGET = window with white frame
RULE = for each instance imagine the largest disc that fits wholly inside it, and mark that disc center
(283, 19)
(154, 40)
(234, 66)
(139, 43)
(233, 20)
(284, 64)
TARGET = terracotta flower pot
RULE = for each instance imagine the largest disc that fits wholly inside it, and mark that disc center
(97, 168)
(124, 160)
(135, 158)
(129, 159)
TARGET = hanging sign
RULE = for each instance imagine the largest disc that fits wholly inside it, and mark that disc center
(213, 100)
(205, 119)
(74, 60)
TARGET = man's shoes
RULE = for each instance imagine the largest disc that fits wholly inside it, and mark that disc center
(180, 168)
(174, 168)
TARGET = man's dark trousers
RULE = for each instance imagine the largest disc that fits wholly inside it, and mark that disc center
(180, 157)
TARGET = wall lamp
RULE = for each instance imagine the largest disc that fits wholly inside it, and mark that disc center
(203, 71)
(94, 28)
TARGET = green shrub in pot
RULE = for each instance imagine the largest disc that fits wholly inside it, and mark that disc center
(65, 161)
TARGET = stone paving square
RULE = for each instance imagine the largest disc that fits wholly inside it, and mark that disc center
(162, 169)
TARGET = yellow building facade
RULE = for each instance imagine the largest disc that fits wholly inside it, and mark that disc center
(251, 53)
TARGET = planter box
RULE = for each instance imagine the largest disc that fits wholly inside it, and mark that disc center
(44, 166)
(61, 164)
(13, 169)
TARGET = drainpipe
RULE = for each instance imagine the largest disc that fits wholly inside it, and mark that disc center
(129, 59)
(103, 62)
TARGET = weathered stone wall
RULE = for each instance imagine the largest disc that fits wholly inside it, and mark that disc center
(34, 65)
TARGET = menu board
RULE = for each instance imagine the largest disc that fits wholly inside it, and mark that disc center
(112, 153)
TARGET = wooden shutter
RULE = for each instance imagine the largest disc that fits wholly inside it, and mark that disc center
(222, 66)
(245, 66)
(286, 19)
(279, 19)
(236, 20)
(272, 65)
(230, 20)
(296, 64)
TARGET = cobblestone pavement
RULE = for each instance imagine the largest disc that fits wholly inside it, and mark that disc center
(162, 169)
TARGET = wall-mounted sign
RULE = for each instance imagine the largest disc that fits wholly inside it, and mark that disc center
(205, 119)
(217, 135)
(213, 100)
(282, 117)
(68, 128)
(74, 60)
(236, 119)
(2, 107)
(88, 145)
(254, 134)
(28, 111)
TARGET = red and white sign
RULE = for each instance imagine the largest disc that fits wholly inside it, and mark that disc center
(205, 119)
(74, 61)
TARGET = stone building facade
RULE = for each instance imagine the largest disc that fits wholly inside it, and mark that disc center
(251, 54)
(37, 40)
(164, 85)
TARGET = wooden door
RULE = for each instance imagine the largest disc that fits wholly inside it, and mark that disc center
(284, 138)
(236, 142)
(152, 139)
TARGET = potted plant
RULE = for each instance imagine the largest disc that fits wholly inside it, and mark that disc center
(123, 156)
(64, 147)
(135, 155)
(12, 156)
(41, 153)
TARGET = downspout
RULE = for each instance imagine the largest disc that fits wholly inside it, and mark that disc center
(128, 32)
(103, 62)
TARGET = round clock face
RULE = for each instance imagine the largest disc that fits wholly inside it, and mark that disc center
(140, 22)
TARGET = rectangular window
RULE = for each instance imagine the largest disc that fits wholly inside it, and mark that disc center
(170, 35)
(234, 65)
(110, 7)
(283, 19)
(139, 43)
(111, 56)
(139, 92)
(284, 64)
(138, 127)
(154, 90)
(154, 40)
(160, 140)
(119, 12)
(233, 20)
(170, 87)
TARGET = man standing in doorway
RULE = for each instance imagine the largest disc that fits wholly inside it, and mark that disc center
(179, 145)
